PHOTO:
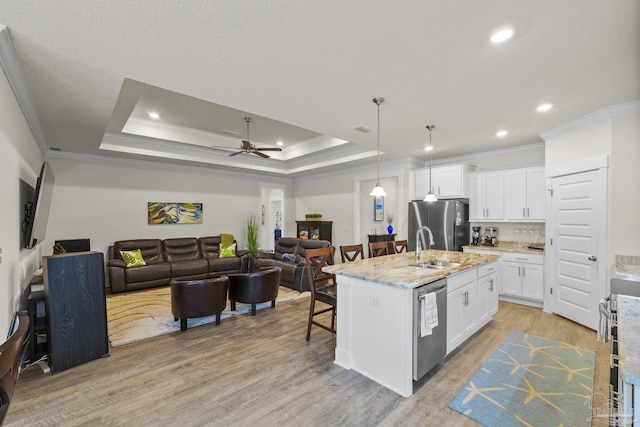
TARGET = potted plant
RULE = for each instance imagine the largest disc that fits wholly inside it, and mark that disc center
(313, 216)
(253, 232)
(389, 220)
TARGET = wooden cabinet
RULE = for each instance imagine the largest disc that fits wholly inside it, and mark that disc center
(314, 230)
(389, 238)
(525, 194)
(486, 196)
(447, 182)
(461, 308)
(74, 289)
(523, 275)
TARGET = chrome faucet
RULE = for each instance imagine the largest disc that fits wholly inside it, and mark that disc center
(418, 244)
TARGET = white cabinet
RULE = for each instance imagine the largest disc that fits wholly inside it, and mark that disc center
(486, 196)
(495, 265)
(487, 292)
(524, 194)
(523, 275)
(461, 308)
(447, 182)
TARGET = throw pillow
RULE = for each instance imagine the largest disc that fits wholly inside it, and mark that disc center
(227, 251)
(288, 258)
(226, 239)
(133, 258)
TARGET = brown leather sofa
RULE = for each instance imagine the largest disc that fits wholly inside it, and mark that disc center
(292, 264)
(180, 259)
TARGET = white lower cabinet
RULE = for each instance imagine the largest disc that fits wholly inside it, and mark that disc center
(462, 307)
(523, 275)
(487, 292)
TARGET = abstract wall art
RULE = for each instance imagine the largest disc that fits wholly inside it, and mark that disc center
(174, 213)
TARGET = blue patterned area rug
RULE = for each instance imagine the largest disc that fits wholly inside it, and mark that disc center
(531, 381)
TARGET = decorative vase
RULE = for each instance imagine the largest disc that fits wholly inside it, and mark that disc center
(390, 229)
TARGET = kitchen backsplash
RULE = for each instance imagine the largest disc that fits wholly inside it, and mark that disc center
(532, 232)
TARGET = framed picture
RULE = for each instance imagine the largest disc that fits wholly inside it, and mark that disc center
(378, 208)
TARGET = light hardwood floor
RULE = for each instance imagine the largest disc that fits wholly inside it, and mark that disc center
(261, 371)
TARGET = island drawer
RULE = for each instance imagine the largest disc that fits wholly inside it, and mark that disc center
(486, 269)
(458, 280)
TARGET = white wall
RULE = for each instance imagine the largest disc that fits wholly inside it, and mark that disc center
(625, 185)
(106, 201)
(20, 160)
(590, 141)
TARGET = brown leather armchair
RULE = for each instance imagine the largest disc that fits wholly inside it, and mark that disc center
(254, 288)
(198, 298)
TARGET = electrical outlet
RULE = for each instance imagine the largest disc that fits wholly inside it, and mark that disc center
(374, 301)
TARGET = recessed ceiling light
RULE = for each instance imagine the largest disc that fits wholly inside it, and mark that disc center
(154, 115)
(501, 35)
(501, 133)
(280, 143)
(544, 107)
(428, 148)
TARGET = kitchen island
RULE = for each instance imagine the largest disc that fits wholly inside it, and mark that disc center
(375, 313)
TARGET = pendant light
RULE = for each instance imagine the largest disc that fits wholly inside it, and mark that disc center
(430, 197)
(378, 191)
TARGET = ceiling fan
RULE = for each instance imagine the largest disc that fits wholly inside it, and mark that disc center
(248, 148)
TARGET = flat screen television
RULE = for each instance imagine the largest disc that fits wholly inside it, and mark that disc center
(36, 212)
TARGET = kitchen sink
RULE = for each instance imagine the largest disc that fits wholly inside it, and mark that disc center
(437, 263)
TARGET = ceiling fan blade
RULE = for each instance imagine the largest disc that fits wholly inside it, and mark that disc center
(265, 156)
(269, 149)
(236, 153)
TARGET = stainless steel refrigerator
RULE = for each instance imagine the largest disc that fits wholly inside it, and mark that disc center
(448, 220)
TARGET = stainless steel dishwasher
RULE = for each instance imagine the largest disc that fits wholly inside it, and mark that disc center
(429, 350)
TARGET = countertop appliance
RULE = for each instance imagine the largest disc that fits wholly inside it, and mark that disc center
(448, 220)
(476, 236)
(490, 236)
(429, 350)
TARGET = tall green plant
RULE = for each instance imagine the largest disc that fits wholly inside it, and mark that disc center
(253, 231)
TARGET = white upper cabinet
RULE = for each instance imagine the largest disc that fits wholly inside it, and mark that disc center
(524, 194)
(486, 196)
(447, 182)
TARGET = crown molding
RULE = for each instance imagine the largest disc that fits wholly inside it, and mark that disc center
(11, 67)
(469, 158)
(589, 119)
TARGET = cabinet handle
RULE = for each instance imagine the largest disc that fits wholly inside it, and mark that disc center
(527, 212)
(523, 215)
(438, 190)
(523, 271)
(519, 271)
(487, 212)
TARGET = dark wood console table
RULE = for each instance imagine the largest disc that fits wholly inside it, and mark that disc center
(389, 238)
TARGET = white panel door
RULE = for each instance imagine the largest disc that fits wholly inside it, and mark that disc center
(515, 194)
(579, 245)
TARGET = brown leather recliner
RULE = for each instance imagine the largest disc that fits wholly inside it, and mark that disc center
(289, 254)
(198, 298)
(254, 288)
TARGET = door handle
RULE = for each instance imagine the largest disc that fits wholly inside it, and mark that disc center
(592, 258)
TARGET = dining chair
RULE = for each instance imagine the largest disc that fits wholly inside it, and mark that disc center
(400, 246)
(378, 249)
(352, 252)
(322, 286)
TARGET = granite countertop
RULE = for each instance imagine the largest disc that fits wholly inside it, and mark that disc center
(629, 338)
(510, 247)
(400, 270)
